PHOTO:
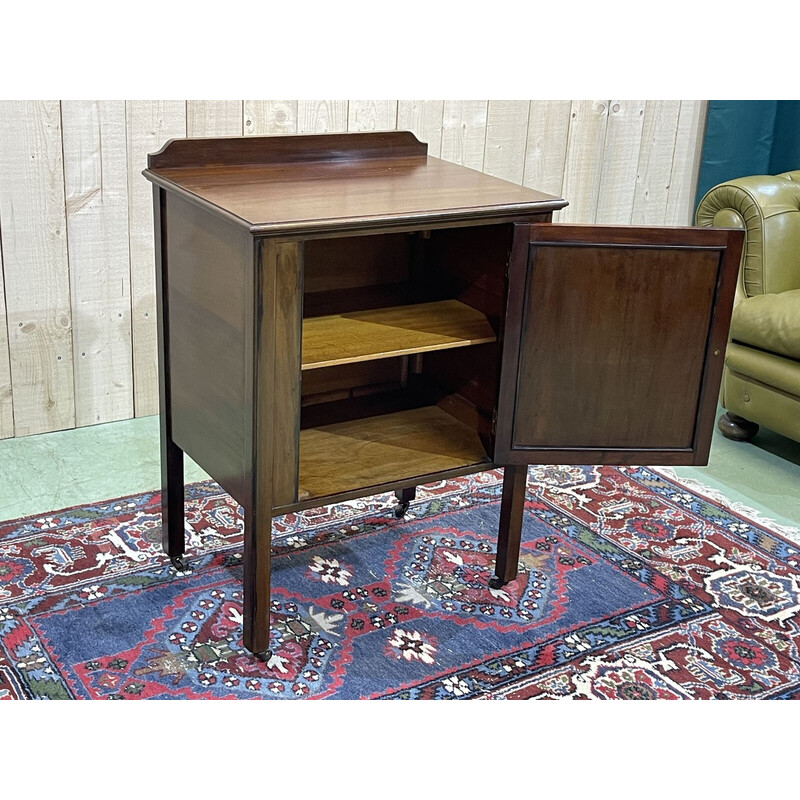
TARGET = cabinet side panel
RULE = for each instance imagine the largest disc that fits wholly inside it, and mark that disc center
(209, 262)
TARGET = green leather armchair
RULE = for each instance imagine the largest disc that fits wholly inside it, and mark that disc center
(761, 384)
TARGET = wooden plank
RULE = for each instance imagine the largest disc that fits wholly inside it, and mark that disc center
(655, 162)
(288, 326)
(382, 449)
(506, 139)
(214, 118)
(464, 132)
(96, 181)
(620, 161)
(321, 116)
(6, 403)
(263, 117)
(386, 332)
(584, 162)
(150, 123)
(424, 119)
(372, 115)
(686, 163)
(35, 265)
(546, 149)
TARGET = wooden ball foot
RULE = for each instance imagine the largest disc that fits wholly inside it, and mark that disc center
(732, 426)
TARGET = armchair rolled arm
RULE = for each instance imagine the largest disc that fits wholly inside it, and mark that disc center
(767, 207)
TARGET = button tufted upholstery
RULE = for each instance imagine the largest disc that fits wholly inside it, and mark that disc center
(762, 377)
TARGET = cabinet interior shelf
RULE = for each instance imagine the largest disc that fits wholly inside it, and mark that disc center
(397, 331)
(390, 447)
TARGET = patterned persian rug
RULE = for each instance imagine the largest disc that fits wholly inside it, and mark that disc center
(632, 585)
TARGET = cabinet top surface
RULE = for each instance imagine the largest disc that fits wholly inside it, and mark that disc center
(292, 184)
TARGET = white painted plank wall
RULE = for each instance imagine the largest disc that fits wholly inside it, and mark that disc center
(6, 399)
(78, 325)
(686, 162)
(264, 117)
(655, 162)
(546, 147)
(372, 115)
(506, 138)
(96, 184)
(424, 119)
(583, 167)
(214, 118)
(464, 132)
(150, 123)
(620, 161)
(35, 266)
(321, 116)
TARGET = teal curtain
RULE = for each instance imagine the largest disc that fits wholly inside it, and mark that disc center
(748, 137)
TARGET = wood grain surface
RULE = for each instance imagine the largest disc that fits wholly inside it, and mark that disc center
(385, 332)
(96, 181)
(214, 118)
(36, 267)
(349, 193)
(612, 343)
(382, 449)
(583, 166)
(620, 161)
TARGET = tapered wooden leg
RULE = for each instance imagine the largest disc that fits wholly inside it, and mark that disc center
(260, 458)
(173, 538)
(510, 529)
(404, 498)
(257, 539)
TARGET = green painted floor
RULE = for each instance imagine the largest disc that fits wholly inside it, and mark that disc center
(56, 470)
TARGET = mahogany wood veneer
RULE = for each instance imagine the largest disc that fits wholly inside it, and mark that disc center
(341, 315)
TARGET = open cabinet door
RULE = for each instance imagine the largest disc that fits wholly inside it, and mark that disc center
(614, 343)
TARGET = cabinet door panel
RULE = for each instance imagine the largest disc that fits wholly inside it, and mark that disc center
(614, 343)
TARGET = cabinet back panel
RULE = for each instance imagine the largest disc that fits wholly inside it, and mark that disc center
(348, 379)
(355, 261)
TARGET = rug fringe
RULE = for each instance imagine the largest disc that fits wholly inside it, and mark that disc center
(753, 514)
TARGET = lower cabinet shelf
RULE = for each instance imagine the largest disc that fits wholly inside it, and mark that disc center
(377, 450)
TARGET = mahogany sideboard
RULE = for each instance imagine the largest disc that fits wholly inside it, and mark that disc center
(341, 315)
